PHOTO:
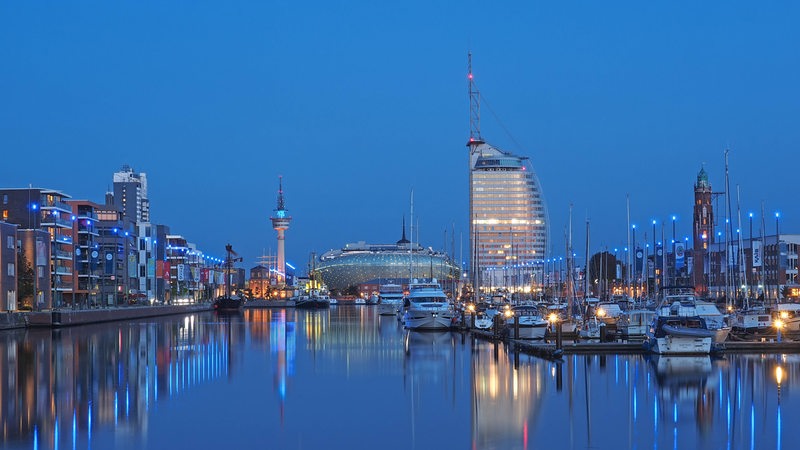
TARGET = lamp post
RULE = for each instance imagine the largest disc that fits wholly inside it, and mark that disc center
(633, 227)
(674, 256)
(777, 256)
(125, 278)
(114, 270)
(749, 279)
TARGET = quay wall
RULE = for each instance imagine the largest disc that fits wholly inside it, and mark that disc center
(12, 320)
(70, 317)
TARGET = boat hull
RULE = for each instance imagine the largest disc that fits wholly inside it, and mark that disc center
(226, 304)
(311, 304)
(427, 320)
(388, 309)
(682, 345)
(532, 332)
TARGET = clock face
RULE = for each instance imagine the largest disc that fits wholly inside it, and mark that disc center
(109, 256)
(638, 254)
(94, 253)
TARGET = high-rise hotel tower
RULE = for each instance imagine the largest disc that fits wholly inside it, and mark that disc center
(508, 215)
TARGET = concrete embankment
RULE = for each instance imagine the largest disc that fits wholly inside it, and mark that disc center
(71, 317)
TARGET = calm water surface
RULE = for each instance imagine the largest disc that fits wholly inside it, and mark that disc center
(348, 378)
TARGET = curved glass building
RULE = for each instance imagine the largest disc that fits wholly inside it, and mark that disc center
(359, 262)
(508, 219)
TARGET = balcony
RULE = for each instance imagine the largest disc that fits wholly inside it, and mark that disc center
(62, 254)
(57, 205)
(62, 271)
(64, 287)
(50, 220)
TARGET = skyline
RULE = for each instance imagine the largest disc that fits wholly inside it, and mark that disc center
(369, 102)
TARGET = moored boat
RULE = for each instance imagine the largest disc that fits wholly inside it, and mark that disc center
(677, 328)
(531, 324)
(635, 323)
(390, 299)
(314, 299)
(428, 308)
(228, 302)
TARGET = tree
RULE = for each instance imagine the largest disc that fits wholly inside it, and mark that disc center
(25, 278)
(602, 267)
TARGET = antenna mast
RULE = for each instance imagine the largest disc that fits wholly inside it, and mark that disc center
(474, 106)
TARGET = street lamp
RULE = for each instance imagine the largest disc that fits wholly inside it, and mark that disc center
(633, 227)
(777, 255)
(749, 277)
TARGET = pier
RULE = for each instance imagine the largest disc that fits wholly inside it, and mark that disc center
(551, 349)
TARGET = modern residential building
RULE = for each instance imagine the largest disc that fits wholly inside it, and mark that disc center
(118, 245)
(45, 209)
(87, 258)
(130, 194)
(10, 270)
(152, 252)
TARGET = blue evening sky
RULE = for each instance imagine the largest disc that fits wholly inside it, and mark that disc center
(356, 103)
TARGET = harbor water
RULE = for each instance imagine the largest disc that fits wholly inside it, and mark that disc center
(346, 377)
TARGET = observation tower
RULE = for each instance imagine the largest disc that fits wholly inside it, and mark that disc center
(280, 222)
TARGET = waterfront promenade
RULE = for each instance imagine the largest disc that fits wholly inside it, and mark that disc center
(71, 317)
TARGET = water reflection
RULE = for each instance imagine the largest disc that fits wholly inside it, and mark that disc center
(507, 397)
(160, 383)
(60, 385)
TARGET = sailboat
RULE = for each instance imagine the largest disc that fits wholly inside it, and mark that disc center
(228, 302)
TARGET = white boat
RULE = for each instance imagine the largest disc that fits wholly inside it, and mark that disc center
(373, 299)
(608, 312)
(390, 299)
(635, 323)
(751, 320)
(557, 312)
(428, 308)
(678, 329)
(483, 321)
(531, 324)
(715, 320)
(789, 315)
(590, 328)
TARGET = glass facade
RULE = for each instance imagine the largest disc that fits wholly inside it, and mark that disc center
(508, 218)
(358, 263)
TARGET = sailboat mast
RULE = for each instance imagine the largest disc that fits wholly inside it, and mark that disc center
(740, 253)
(629, 249)
(586, 275)
(727, 234)
(570, 281)
(411, 244)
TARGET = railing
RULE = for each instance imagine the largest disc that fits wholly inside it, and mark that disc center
(57, 204)
(63, 254)
(50, 219)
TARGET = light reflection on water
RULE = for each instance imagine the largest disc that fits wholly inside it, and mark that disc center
(346, 377)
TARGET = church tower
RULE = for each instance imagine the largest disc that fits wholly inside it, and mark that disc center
(703, 233)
